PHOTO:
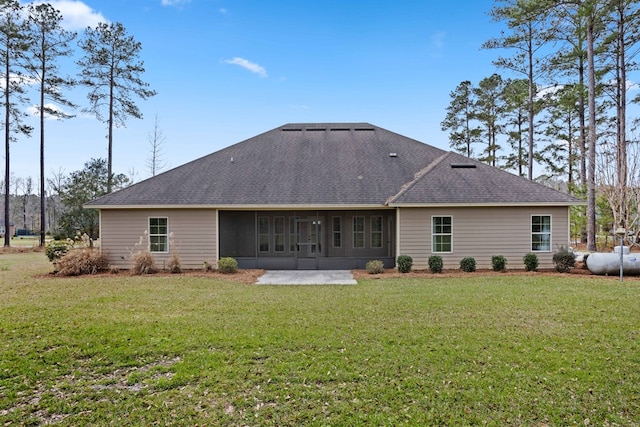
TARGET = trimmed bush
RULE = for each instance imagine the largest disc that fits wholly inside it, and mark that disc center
(530, 261)
(498, 263)
(468, 264)
(143, 263)
(404, 263)
(564, 260)
(375, 266)
(56, 249)
(227, 265)
(435, 264)
(82, 261)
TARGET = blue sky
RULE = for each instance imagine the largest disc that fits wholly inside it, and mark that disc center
(229, 70)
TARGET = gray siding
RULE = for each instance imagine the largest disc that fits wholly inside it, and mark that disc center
(481, 232)
(193, 235)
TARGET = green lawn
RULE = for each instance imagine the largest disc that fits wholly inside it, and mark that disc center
(178, 350)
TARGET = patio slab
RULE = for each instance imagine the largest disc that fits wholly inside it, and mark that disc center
(307, 277)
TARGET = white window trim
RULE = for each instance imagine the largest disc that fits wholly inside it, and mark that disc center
(433, 234)
(149, 235)
(531, 233)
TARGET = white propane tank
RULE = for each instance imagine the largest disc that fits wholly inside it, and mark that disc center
(609, 263)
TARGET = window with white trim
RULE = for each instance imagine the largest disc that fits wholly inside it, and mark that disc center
(158, 235)
(540, 233)
(441, 233)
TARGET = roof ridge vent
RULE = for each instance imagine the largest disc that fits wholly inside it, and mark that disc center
(364, 129)
(463, 165)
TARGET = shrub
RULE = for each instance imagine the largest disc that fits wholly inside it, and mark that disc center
(82, 261)
(56, 249)
(143, 263)
(435, 264)
(498, 263)
(468, 264)
(227, 265)
(174, 263)
(375, 266)
(564, 260)
(530, 261)
(404, 263)
(206, 266)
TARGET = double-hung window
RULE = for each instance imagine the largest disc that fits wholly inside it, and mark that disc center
(441, 233)
(541, 233)
(158, 235)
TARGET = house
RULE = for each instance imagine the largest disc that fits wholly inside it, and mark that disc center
(3, 228)
(333, 196)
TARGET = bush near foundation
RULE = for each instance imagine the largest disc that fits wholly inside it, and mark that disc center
(375, 266)
(227, 265)
(82, 261)
(404, 263)
(564, 260)
(498, 263)
(530, 261)
(143, 263)
(436, 264)
(468, 264)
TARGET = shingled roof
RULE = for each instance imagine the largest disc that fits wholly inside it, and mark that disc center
(331, 164)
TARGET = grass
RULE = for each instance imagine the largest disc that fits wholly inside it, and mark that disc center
(179, 350)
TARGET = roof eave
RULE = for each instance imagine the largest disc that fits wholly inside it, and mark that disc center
(365, 206)
(485, 204)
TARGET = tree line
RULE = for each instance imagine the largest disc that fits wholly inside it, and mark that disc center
(562, 104)
(33, 43)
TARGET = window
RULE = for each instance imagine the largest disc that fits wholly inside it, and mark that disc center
(158, 235)
(278, 234)
(358, 232)
(263, 234)
(442, 233)
(337, 231)
(376, 231)
(540, 233)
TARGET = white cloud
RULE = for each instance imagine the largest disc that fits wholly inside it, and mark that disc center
(174, 2)
(254, 68)
(76, 14)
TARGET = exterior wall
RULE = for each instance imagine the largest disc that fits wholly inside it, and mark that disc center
(193, 235)
(480, 232)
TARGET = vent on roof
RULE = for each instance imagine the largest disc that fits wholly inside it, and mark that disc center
(463, 166)
(291, 130)
(316, 129)
(393, 154)
(364, 129)
(340, 129)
